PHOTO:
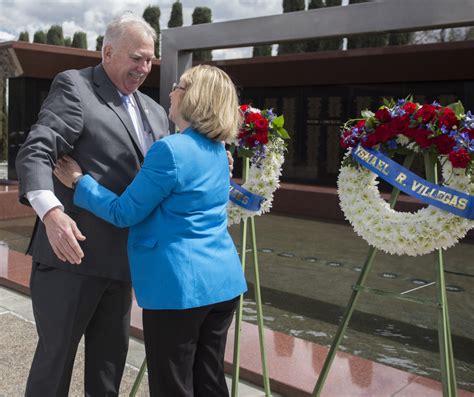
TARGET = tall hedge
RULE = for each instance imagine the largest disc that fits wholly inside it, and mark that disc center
(24, 36)
(99, 41)
(55, 35)
(152, 16)
(292, 47)
(79, 40)
(202, 15)
(367, 40)
(176, 18)
(39, 37)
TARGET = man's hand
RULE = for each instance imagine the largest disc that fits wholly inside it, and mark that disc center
(230, 159)
(63, 235)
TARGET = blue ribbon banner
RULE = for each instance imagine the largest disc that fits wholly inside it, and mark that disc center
(245, 199)
(443, 197)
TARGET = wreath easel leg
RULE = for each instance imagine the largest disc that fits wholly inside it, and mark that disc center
(356, 290)
(448, 372)
(258, 301)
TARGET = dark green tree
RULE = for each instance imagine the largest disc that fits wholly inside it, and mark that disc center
(39, 37)
(55, 35)
(262, 51)
(292, 47)
(314, 45)
(24, 36)
(176, 18)
(399, 38)
(79, 40)
(152, 16)
(67, 42)
(3, 121)
(202, 15)
(367, 40)
(99, 41)
(334, 43)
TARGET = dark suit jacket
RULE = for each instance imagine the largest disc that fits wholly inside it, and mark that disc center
(83, 117)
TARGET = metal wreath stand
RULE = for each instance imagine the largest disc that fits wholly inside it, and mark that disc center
(441, 303)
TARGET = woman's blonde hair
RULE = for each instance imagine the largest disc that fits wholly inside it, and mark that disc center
(210, 103)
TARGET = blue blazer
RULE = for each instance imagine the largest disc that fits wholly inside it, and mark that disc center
(180, 252)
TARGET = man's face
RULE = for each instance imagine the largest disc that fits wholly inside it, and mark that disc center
(128, 61)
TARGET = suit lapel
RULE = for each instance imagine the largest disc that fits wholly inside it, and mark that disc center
(107, 91)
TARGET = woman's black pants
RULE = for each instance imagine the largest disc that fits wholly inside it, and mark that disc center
(185, 350)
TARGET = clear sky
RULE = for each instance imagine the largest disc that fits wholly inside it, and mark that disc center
(91, 16)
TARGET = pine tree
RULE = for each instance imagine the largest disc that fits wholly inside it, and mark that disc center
(314, 45)
(202, 15)
(152, 16)
(79, 40)
(99, 41)
(39, 37)
(24, 36)
(334, 43)
(399, 38)
(367, 40)
(176, 18)
(67, 42)
(262, 51)
(293, 47)
(55, 35)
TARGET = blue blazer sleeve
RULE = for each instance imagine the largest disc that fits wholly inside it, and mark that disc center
(151, 186)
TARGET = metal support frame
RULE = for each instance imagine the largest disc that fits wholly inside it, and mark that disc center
(258, 302)
(343, 21)
(444, 329)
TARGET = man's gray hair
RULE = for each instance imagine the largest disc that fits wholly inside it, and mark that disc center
(126, 23)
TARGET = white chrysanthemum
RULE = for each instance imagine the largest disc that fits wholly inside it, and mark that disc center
(395, 232)
(263, 180)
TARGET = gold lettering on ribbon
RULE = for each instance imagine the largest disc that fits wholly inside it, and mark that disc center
(401, 177)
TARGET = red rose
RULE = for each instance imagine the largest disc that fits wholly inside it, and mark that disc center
(261, 125)
(384, 133)
(409, 107)
(371, 141)
(252, 118)
(262, 137)
(360, 124)
(421, 138)
(399, 124)
(459, 158)
(426, 113)
(244, 108)
(444, 144)
(383, 115)
(447, 118)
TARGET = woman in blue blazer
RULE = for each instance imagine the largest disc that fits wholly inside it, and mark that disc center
(185, 269)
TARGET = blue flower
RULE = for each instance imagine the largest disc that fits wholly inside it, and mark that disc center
(392, 144)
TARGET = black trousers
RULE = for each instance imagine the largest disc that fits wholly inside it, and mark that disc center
(66, 306)
(185, 350)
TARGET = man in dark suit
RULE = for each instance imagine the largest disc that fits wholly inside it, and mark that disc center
(97, 116)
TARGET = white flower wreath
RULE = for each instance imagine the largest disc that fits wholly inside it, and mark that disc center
(443, 133)
(395, 232)
(261, 139)
(263, 179)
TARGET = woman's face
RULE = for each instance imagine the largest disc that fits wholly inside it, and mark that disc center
(175, 99)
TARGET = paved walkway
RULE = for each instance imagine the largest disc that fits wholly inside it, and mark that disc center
(18, 341)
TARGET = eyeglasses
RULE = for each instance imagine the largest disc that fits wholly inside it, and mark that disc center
(175, 87)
